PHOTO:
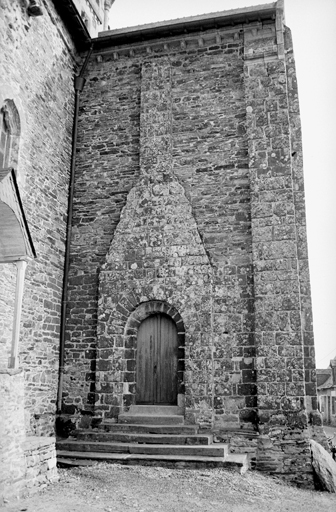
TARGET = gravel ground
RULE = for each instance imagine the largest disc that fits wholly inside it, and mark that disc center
(117, 488)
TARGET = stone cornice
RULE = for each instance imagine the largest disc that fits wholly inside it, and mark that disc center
(184, 26)
(182, 43)
(230, 38)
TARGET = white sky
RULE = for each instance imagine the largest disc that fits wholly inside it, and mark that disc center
(314, 34)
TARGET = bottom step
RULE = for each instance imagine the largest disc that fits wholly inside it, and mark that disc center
(236, 462)
(65, 462)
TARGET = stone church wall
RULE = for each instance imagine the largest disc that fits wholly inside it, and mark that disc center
(189, 201)
(209, 151)
(12, 431)
(107, 167)
(26, 463)
(283, 326)
(156, 255)
(208, 122)
(38, 61)
(7, 295)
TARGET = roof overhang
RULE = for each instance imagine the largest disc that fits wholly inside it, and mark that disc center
(128, 35)
(15, 239)
(73, 22)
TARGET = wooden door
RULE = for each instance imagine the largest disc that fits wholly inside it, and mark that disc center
(157, 361)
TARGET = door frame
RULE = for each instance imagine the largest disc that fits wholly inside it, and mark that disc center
(153, 373)
(140, 313)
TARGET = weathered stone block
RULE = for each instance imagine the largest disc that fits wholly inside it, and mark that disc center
(324, 467)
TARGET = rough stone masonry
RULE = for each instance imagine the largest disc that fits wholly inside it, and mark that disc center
(38, 62)
(189, 203)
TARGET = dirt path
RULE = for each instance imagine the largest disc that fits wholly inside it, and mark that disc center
(117, 488)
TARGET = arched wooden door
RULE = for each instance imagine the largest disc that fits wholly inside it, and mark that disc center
(157, 350)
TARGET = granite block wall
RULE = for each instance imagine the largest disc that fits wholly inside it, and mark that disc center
(281, 282)
(300, 220)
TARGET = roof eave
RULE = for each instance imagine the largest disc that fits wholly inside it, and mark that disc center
(192, 24)
(74, 23)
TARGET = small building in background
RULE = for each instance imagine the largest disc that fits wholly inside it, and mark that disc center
(326, 392)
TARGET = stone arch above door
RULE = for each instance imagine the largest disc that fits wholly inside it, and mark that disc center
(146, 309)
(117, 359)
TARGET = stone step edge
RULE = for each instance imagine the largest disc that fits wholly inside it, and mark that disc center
(156, 419)
(90, 445)
(111, 443)
(236, 462)
(113, 421)
(155, 409)
(76, 462)
(236, 458)
(237, 432)
(142, 435)
(149, 415)
(147, 425)
(137, 456)
(154, 415)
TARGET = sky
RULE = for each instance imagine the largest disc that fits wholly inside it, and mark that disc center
(312, 23)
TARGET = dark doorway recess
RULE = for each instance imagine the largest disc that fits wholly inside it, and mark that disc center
(157, 355)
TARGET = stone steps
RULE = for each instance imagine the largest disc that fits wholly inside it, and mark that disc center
(149, 428)
(159, 419)
(233, 461)
(147, 438)
(149, 435)
(214, 450)
(155, 410)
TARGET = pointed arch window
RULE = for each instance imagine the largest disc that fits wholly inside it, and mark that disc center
(16, 245)
(10, 130)
(4, 142)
